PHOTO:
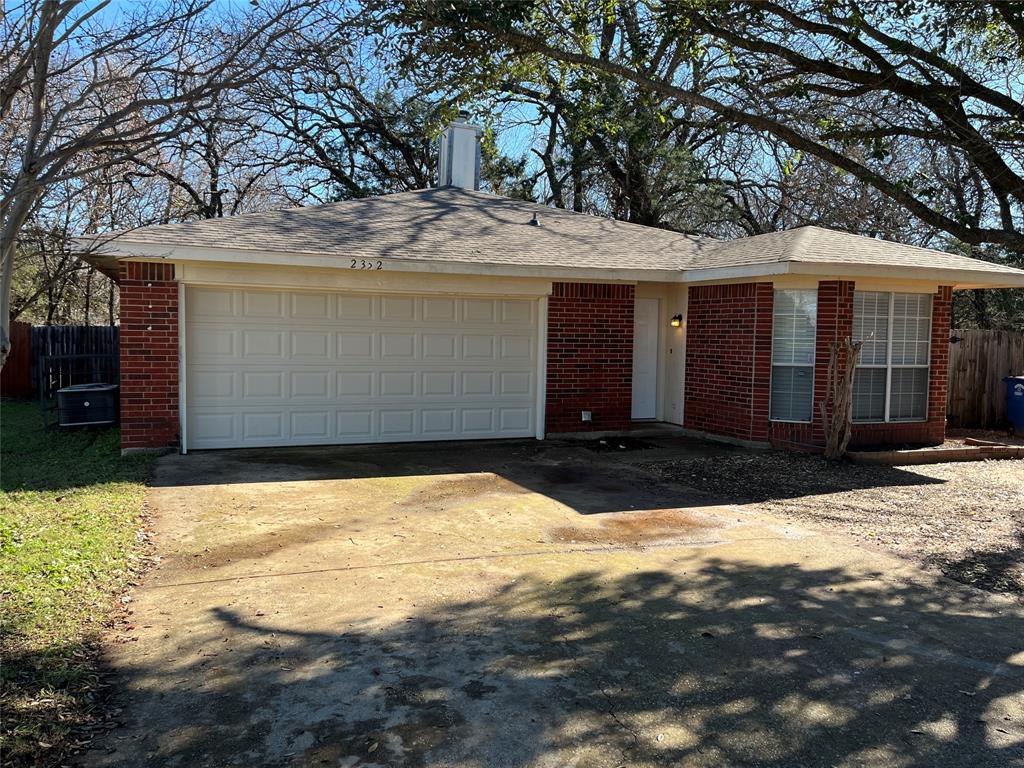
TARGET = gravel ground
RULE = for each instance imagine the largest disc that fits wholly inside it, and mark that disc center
(964, 519)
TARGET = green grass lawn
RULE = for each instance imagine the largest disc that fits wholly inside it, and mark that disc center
(70, 509)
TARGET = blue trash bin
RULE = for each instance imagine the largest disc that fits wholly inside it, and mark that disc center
(1015, 403)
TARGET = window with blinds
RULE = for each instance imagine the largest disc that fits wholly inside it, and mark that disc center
(794, 327)
(891, 380)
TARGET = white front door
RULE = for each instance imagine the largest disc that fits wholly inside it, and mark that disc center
(277, 367)
(645, 358)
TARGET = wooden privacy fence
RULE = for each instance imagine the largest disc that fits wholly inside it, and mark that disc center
(73, 354)
(46, 357)
(16, 376)
(977, 365)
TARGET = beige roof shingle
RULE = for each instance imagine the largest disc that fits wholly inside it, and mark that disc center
(446, 224)
(451, 225)
(827, 246)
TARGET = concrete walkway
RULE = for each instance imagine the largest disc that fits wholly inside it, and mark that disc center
(537, 604)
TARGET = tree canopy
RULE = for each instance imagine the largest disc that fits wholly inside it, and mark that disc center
(900, 119)
(854, 84)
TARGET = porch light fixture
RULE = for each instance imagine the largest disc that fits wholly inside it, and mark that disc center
(676, 321)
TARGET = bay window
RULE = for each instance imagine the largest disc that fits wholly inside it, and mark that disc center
(891, 380)
(794, 328)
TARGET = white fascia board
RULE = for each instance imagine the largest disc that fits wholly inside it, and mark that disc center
(738, 272)
(958, 278)
(125, 249)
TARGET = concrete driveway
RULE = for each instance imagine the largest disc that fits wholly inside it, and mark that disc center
(536, 604)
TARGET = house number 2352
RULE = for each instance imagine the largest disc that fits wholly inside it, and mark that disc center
(363, 264)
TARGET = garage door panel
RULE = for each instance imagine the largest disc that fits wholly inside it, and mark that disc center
(264, 304)
(477, 347)
(357, 308)
(438, 384)
(213, 303)
(262, 426)
(311, 425)
(263, 343)
(217, 343)
(400, 309)
(515, 419)
(398, 422)
(314, 384)
(516, 348)
(355, 425)
(478, 310)
(439, 346)
(312, 306)
(257, 385)
(356, 347)
(292, 368)
(438, 422)
(439, 310)
(398, 384)
(517, 312)
(207, 385)
(312, 345)
(398, 346)
(515, 383)
(477, 383)
(214, 427)
(356, 384)
(477, 420)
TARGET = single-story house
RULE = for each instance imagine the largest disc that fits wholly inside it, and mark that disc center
(449, 313)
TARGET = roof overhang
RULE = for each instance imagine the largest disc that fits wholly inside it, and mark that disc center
(958, 278)
(106, 255)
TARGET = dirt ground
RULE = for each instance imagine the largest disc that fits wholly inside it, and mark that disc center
(965, 520)
(539, 604)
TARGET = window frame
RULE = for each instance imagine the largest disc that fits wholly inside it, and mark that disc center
(888, 365)
(811, 365)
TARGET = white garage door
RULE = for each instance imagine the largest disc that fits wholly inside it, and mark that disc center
(270, 368)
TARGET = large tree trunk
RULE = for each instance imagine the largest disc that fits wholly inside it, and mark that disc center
(14, 219)
(837, 407)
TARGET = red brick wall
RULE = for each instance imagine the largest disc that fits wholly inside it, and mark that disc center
(590, 357)
(149, 355)
(728, 359)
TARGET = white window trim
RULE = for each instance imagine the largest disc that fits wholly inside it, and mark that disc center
(888, 366)
(811, 365)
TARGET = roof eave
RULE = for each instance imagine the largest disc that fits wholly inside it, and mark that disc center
(106, 255)
(123, 249)
(735, 272)
(960, 279)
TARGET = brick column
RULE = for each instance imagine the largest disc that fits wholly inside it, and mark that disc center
(764, 306)
(590, 357)
(938, 372)
(149, 356)
(835, 323)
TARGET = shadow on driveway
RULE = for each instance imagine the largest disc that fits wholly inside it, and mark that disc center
(572, 473)
(730, 664)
